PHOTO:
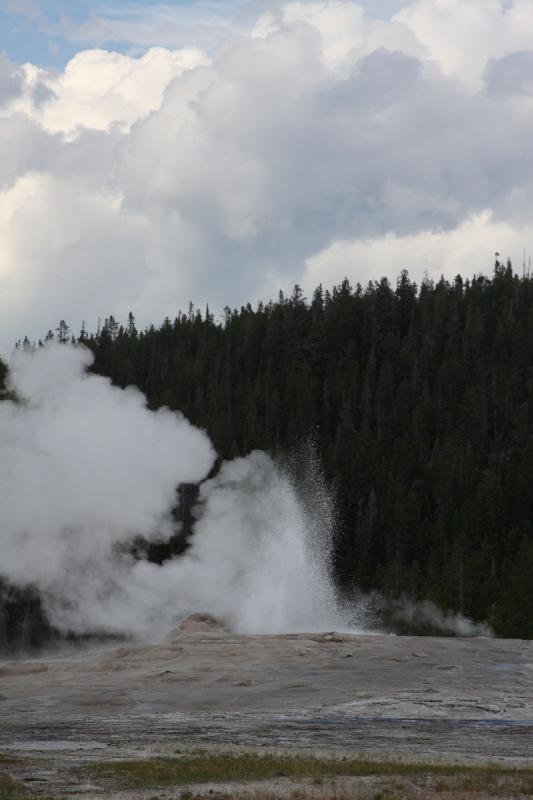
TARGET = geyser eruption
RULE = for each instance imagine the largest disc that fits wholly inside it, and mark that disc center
(86, 469)
(259, 552)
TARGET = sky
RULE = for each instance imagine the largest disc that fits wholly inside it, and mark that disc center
(216, 151)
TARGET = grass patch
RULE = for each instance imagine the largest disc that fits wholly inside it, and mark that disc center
(6, 758)
(221, 768)
(11, 789)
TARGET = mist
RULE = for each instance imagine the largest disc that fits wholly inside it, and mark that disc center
(427, 615)
(87, 469)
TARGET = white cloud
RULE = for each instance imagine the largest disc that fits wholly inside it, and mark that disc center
(316, 132)
(511, 75)
(10, 80)
(459, 36)
(347, 33)
(436, 253)
(99, 89)
(463, 35)
(65, 247)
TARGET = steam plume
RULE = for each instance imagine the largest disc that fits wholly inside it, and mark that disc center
(427, 615)
(86, 468)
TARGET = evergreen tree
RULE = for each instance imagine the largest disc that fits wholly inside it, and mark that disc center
(419, 400)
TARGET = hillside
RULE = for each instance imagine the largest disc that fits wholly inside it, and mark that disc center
(418, 401)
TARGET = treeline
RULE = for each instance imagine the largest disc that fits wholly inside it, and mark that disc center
(419, 400)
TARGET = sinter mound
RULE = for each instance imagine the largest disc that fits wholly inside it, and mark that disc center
(200, 623)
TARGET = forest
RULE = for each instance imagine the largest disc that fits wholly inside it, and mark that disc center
(418, 400)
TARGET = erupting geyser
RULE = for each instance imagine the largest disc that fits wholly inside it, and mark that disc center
(86, 468)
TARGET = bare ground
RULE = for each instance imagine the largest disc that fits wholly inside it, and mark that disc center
(463, 701)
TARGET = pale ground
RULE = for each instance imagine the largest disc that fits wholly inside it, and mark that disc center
(465, 700)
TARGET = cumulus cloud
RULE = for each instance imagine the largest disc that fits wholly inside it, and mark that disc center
(83, 239)
(463, 35)
(99, 90)
(429, 253)
(315, 134)
(10, 80)
(511, 75)
(346, 31)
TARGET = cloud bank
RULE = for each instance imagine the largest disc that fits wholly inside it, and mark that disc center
(315, 140)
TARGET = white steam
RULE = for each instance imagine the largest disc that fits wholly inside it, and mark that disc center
(86, 468)
(427, 614)
(259, 547)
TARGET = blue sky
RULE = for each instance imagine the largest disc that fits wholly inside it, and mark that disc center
(50, 32)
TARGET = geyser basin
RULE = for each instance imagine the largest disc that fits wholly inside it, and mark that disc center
(384, 694)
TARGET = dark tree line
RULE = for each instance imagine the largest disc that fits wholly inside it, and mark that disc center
(419, 400)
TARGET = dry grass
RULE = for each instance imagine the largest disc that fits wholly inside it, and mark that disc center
(7, 758)
(11, 789)
(315, 773)
(229, 768)
(201, 775)
(419, 788)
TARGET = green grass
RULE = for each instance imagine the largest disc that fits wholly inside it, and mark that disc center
(220, 768)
